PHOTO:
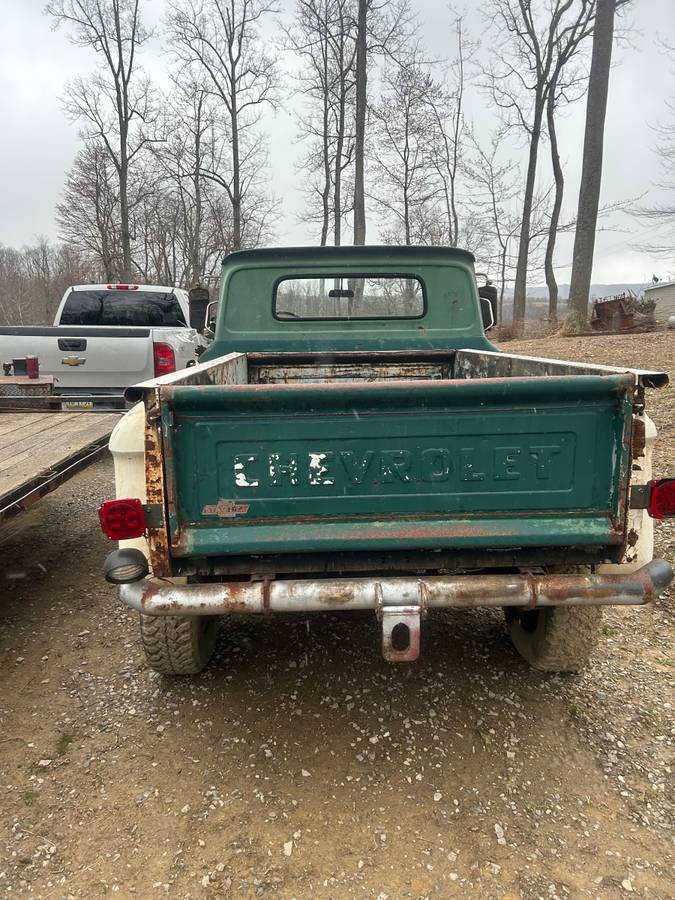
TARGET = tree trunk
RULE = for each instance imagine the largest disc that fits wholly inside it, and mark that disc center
(457, 135)
(337, 175)
(520, 286)
(236, 171)
(196, 262)
(325, 190)
(559, 178)
(591, 171)
(502, 289)
(406, 182)
(360, 125)
(125, 231)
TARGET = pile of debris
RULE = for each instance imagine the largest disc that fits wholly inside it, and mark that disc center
(623, 312)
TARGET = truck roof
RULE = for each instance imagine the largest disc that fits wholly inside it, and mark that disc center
(372, 252)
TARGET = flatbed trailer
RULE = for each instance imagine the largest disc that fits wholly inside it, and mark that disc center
(39, 450)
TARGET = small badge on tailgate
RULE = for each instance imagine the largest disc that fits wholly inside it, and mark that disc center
(226, 509)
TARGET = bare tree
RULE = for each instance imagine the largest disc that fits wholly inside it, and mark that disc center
(323, 36)
(115, 102)
(406, 174)
(219, 43)
(447, 136)
(88, 216)
(309, 39)
(567, 85)
(360, 121)
(662, 215)
(33, 279)
(559, 181)
(344, 50)
(591, 170)
(382, 29)
(192, 114)
(183, 221)
(538, 40)
(495, 187)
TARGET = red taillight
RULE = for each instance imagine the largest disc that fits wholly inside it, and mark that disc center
(122, 519)
(165, 359)
(122, 287)
(662, 498)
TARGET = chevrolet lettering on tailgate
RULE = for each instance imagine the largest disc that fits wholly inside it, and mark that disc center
(530, 462)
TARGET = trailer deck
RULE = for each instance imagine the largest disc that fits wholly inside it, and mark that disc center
(41, 450)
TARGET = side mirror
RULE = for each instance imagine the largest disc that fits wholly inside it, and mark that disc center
(487, 313)
(198, 300)
(488, 295)
(211, 318)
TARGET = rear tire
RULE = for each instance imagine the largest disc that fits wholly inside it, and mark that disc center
(556, 638)
(178, 645)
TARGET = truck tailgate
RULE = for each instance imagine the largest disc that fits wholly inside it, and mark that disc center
(84, 357)
(484, 463)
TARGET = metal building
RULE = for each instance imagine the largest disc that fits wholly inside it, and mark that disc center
(664, 295)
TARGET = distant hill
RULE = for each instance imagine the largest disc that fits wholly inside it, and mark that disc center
(597, 290)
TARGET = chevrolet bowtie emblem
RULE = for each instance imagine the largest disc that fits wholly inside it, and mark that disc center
(73, 361)
(226, 509)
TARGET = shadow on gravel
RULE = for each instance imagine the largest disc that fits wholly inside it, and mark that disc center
(456, 640)
(322, 681)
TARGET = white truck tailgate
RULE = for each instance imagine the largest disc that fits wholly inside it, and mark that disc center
(88, 358)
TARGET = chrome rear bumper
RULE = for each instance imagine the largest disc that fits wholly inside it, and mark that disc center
(527, 590)
(400, 603)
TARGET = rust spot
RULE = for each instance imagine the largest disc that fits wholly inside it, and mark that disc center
(148, 595)
(632, 537)
(236, 588)
(154, 487)
(639, 437)
(340, 594)
(266, 596)
(230, 605)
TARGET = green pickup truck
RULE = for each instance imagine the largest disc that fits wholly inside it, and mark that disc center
(352, 441)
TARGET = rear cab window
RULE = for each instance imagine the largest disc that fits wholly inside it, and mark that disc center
(120, 307)
(341, 297)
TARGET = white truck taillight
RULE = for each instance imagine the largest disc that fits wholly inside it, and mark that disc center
(165, 358)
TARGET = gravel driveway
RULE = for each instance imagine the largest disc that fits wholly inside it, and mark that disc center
(301, 764)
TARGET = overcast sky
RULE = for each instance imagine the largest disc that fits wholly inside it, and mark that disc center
(39, 143)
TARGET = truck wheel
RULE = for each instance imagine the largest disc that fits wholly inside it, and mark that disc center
(556, 638)
(178, 645)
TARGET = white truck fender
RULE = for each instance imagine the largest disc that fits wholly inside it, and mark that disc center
(127, 445)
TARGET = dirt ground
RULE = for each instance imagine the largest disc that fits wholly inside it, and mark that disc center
(301, 764)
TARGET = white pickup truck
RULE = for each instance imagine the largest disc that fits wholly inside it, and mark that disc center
(107, 337)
